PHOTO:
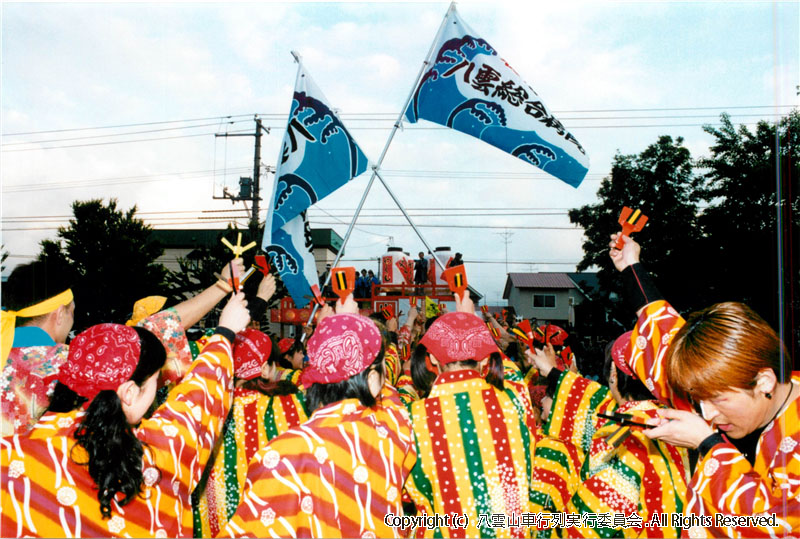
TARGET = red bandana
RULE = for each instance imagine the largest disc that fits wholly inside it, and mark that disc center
(100, 358)
(459, 337)
(342, 346)
(620, 352)
(284, 344)
(251, 350)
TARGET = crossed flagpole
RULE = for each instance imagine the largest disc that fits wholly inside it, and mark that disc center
(377, 165)
(510, 116)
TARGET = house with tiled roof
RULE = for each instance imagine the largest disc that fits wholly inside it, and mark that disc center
(548, 296)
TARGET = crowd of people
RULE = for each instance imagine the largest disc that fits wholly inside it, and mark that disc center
(462, 424)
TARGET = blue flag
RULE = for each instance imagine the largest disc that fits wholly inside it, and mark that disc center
(317, 157)
(473, 90)
(318, 154)
(291, 252)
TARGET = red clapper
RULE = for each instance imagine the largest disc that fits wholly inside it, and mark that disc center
(343, 281)
(388, 311)
(631, 221)
(456, 278)
(262, 265)
(524, 334)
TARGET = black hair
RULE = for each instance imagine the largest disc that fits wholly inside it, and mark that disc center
(629, 387)
(429, 321)
(30, 284)
(495, 375)
(420, 375)
(355, 387)
(297, 346)
(423, 378)
(272, 388)
(114, 453)
(388, 337)
(515, 353)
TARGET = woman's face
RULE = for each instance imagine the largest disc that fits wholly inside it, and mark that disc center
(736, 412)
(296, 359)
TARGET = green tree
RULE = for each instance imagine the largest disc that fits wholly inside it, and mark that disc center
(750, 228)
(660, 182)
(111, 261)
(198, 269)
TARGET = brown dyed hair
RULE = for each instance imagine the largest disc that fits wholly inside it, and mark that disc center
(722, 347)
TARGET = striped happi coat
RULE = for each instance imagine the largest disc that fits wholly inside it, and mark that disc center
(31, 372)
(724, 482)
(475, 448)
(557, 474)
(255, 419)
(45, 493)
(641, 476)
(337, 475)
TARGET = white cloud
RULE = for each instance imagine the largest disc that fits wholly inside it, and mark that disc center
(76, 65)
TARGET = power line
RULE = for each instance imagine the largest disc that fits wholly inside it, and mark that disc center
(472, 261)
(115, 134)
(462, 214)
(243, 169)
(156, 226)
(392, 116)
(119, 142)
(122, 180)
(120, 126)
(512, 227)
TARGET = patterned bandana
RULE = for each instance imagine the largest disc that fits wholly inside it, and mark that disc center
(459, 337)
(251, 349)
(284, 344)
(620, 351)
(342, 346)
(101, 357)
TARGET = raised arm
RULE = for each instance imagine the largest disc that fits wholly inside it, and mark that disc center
(195, 308)
(657, 324)
(191, 419)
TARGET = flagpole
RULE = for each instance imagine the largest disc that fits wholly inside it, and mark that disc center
(377, 165)
(408, 218)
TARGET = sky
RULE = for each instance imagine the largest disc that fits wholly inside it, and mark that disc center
(123, 100)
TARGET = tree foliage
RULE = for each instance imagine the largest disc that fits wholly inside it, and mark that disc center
(660, 182)
(723, 228)
(750, 225)
(198, 269)
(109, 258)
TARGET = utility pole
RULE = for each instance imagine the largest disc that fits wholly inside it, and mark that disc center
(250, 188)
(506, 239)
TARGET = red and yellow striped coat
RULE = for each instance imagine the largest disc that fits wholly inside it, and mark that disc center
(337, 475)
(30, 374)
(657, 325)
(393, 366)
(255, 419)
(45, 493)
(475, 454)
(640, 476)
(724, 482)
